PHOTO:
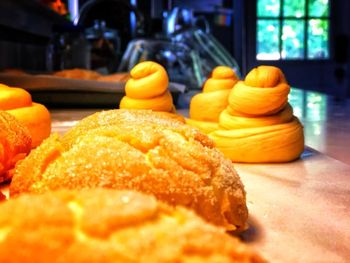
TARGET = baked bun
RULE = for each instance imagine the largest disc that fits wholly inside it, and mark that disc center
(78, 73)
(15, 144)
(147, 88)
(104, 225)
(205, 107)
(258, 125)
(35, 116)
(151, 152)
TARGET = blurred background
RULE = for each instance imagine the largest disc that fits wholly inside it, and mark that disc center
(307, 39)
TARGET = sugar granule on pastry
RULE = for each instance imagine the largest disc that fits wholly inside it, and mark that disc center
(101, 225)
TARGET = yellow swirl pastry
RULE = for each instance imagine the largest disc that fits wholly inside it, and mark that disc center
(36, 117)
(205, 107)
(273, 143)
(264, 91)
(258, 125)
(234, 120)
(148, 89)
(204, 126)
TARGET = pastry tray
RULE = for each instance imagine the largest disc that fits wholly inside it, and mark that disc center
(65, 92)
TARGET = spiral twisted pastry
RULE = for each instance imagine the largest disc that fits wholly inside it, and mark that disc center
(148, 89)
(258, 125)
(35, 116)
(205, 107)
(264, 91)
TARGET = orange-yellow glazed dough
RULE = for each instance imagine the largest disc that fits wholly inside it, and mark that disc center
(35, 116)
(204, 126)
(258, 125)
(263, 92)
(148, 89)
(205, 107)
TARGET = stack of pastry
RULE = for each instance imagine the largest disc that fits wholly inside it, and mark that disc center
(205, 107)
(15, 144)
(34, 116)
(153, 153)
(147, 88)
(258, 124)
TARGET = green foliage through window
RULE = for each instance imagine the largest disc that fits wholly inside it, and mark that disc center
(292, 29)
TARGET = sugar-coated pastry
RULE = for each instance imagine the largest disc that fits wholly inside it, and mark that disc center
(37, 119)
(35, 116)
(258, 125)
(140, 150)
(205, 107)
(77, 73)
(104, 225)
(15, 144)
(148, 89)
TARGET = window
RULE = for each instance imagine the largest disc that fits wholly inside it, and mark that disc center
(292, 29)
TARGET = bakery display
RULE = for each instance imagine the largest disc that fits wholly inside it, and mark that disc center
(205, 107)
(147, 88)
(103, 225)
(15, 144)
(151, 152)
(35, 116)
(258, 125)
(77, 73)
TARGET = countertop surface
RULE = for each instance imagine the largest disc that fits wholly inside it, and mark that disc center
(299, 211)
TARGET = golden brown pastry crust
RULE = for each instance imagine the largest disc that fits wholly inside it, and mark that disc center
(116, 77)
(15, 144)
(77, 73)
(100, 225)
(140, 150)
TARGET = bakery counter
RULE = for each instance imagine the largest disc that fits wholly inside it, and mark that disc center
(298, 211)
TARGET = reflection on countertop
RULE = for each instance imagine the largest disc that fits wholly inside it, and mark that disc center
(326, 122)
